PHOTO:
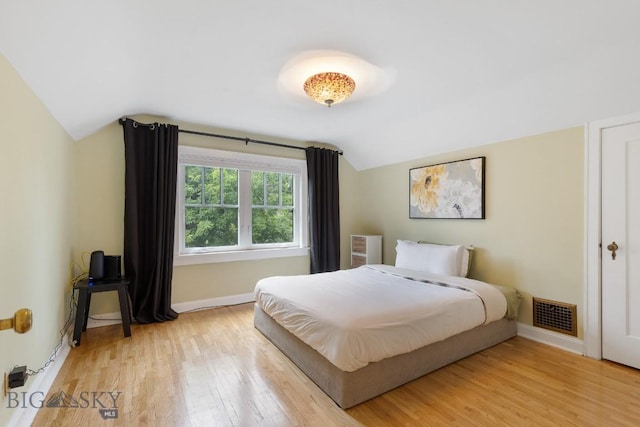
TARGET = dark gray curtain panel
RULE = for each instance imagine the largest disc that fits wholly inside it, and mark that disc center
(324, 209)
(151, 161)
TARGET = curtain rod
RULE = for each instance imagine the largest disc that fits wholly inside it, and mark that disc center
(237, 138)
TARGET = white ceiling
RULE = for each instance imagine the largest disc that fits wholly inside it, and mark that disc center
(465, 72)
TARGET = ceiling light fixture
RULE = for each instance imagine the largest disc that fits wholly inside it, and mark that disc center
(294, 80)
(329, 88)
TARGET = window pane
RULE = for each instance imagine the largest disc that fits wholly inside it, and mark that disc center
(257, 188)
(230, 186)
(287, 190)
(212, 186)
(272, 225)
(205, 227)
(273, 188)
(192, 184)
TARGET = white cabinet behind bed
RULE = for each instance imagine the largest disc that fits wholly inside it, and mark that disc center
(365, 249)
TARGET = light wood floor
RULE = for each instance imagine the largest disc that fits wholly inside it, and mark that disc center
(212, 368)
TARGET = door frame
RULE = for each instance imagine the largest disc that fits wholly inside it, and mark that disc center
(593, 231)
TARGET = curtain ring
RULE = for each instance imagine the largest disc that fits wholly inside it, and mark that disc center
(135, 124)
(152, 126)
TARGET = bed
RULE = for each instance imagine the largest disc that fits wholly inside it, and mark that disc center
(361, 332)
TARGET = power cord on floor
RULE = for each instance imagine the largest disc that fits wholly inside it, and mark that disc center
(63, 332)
(73, 306)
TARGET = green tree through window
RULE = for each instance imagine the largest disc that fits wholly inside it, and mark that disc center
(212, 207)
(272, 211)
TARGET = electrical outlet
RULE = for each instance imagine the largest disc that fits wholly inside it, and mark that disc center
(17, 376)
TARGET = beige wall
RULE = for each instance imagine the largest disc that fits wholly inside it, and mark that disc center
(38, 210)
(100, 186)
(532, 237)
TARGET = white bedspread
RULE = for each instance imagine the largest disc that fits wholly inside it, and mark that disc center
(363, 315)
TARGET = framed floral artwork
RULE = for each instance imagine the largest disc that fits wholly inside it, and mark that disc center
(453, 190)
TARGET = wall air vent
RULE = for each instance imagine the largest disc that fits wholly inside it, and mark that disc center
(556, 316)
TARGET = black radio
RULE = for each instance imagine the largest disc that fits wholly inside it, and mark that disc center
(104, 267)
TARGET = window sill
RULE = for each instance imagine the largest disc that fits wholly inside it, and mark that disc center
(208, 258)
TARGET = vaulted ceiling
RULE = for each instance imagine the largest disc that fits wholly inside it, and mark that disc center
(461, 72)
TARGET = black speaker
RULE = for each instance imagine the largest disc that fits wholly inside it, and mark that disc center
(112, 267)
(96, 266)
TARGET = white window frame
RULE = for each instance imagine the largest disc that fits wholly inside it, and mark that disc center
(245, 250)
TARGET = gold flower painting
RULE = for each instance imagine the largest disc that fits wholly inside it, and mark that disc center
(448, 190)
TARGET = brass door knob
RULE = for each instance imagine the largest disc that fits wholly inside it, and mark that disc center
(20, 322)
(613, 247)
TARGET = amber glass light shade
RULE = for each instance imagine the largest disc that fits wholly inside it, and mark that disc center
(329, 88)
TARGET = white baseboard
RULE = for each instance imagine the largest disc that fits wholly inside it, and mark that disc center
(106, 319)
(24, 415)
(182, 307)
(554, 339)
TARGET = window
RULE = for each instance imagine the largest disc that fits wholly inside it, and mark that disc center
(272, 207)
(234, 206)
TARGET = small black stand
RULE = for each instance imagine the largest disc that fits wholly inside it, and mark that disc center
(86, 288)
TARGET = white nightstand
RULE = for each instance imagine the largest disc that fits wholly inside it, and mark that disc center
(365, 249)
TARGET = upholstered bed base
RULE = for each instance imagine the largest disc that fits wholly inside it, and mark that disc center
(348, 389)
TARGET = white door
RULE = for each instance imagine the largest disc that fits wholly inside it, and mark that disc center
(621, 234)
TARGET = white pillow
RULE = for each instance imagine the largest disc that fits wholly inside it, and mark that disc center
(465, 262)
(435, 259)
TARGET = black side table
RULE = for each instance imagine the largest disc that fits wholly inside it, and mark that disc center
(85, 289)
